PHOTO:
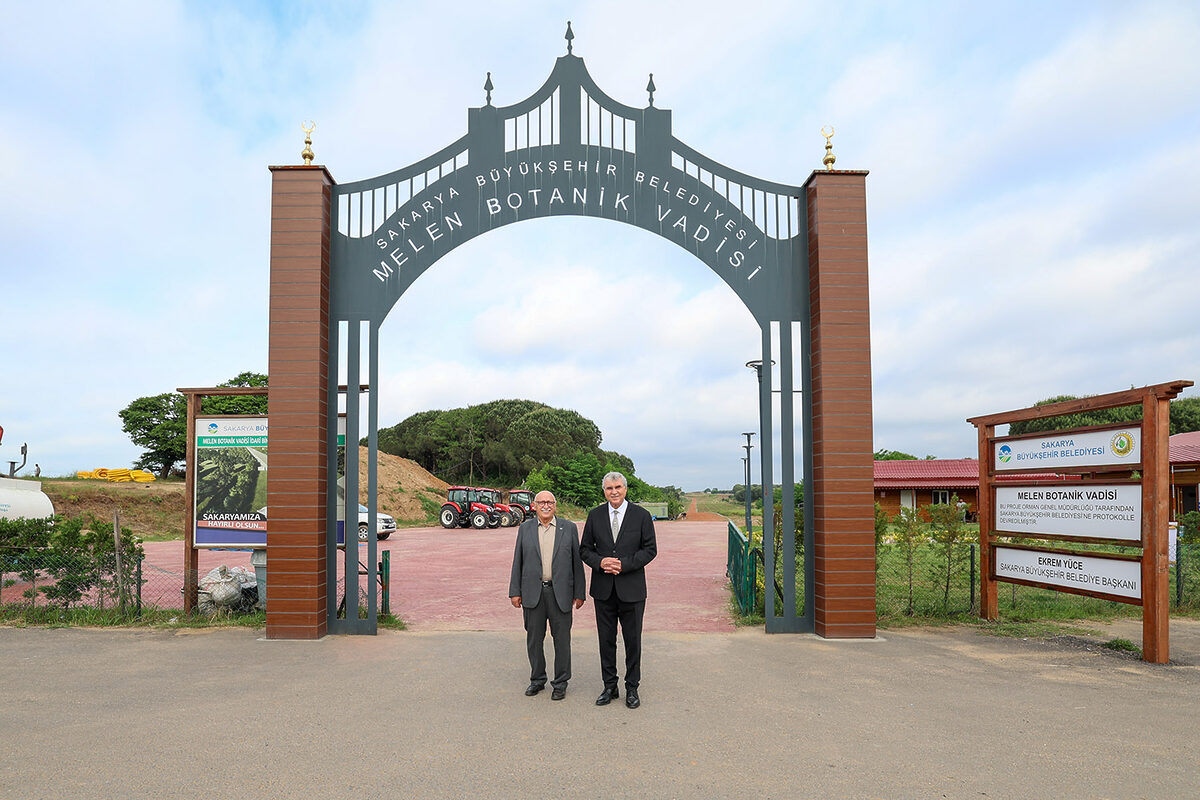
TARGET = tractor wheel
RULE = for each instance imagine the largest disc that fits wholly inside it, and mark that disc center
(448, 517)
(493, 522)
(518, 515)
(479, 520)
(506, 519)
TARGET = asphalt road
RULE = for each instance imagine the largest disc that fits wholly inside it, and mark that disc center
(915, 714)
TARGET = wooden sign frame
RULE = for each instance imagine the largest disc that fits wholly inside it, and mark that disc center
(1152, 472)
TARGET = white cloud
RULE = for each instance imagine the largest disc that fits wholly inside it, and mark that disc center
(1031, 199)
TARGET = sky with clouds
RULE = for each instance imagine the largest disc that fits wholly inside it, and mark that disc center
(1032, 206)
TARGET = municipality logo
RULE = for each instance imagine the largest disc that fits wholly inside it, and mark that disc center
(1005, 453)
(212, 427)
(1122, 444)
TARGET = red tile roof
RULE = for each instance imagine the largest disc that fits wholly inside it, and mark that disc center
(1185, 448)
(937, 473)
(942, 473)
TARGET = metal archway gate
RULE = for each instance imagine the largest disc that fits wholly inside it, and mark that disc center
(342, 255)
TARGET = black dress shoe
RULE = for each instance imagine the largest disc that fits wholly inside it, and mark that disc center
(559, 693)
(631, 698)
(607, 696)
(533, 689)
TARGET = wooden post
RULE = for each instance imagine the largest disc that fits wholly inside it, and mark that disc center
(120, 572)
(988, 599)
(191, 560)
(1155, 559)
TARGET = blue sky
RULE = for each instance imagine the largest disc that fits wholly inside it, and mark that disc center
(1032, 206)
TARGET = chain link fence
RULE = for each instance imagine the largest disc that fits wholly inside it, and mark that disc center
(87, 578)
(933, 582)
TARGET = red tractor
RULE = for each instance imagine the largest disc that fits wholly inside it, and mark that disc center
(521, 499)
(465, 508)
(509, 514)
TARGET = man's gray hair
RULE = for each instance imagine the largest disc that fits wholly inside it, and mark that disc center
(614, 476)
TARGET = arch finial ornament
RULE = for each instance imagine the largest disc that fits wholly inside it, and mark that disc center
(307, 153)
(829, 156)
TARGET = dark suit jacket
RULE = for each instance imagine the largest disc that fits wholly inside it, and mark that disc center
(566, 570)
(635, 546)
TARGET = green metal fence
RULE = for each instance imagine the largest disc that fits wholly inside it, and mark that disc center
(929, 581)
(741, 569)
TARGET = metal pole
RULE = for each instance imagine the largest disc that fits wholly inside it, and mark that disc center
(748, 446)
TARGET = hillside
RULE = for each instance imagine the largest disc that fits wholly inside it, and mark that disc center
(154, 511)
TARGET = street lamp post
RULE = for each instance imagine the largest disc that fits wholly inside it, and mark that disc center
(747, 445)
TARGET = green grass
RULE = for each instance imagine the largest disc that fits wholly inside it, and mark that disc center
(19, 615)
(724, 505)
(1032, 629)
(1123, 646)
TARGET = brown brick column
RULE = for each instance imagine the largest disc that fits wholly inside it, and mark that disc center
(842, 441)
(298, 361)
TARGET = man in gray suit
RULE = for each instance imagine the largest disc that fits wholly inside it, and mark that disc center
(547, 579)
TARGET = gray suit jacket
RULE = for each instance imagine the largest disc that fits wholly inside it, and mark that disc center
(566, 568)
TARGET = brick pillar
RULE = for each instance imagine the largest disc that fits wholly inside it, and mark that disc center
(298, 360)
(842, 442)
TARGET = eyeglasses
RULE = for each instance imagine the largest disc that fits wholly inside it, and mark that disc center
(543, 502)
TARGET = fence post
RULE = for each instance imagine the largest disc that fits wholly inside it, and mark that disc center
(971, 594)
(117, 553)
(141, 557)
(385, 580)
(1179, 570)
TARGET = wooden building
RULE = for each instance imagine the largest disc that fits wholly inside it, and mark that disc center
(1185, 473)
(913, 484)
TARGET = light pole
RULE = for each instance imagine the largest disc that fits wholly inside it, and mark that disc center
(747, 445)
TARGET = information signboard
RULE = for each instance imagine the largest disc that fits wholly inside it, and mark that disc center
(1118, 578)
(1073, 450)
(1086, 511)
(231, 482)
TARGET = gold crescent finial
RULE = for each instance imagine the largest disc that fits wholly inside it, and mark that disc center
(307, 154)
(829, 156)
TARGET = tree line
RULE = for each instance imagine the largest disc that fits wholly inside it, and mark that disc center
(158, 423)
(510, 443)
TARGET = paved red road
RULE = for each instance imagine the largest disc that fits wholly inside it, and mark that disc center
(458, 580)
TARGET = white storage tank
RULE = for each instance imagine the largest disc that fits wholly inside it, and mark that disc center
(23, 500)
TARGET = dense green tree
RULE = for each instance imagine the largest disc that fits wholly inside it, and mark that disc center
(1184, 417)
(159, 423)
(238, 404)
(893, 455)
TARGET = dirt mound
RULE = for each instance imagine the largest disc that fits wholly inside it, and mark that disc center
(402, 485)
(150, 510)
(155, 510)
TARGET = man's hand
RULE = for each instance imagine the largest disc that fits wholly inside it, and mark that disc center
(579, 603)
(516, 601)
(611, 565)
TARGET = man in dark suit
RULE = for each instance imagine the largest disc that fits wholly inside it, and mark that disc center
(547, 577)
(618, 542)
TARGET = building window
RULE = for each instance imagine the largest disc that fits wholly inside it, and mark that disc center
(941, 496)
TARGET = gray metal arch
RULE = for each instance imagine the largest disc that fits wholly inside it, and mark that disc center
(541, 157)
